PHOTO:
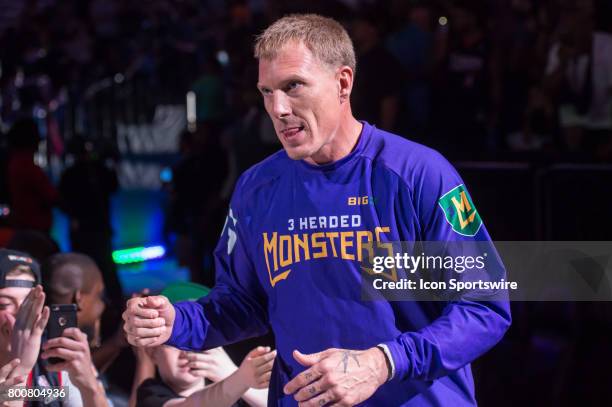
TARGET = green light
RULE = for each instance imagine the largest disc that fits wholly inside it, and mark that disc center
(138, 254)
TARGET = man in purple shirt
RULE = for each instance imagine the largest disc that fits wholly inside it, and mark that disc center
(291, 251)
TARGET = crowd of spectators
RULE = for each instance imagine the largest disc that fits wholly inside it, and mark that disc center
(164, 375)
(473, 78)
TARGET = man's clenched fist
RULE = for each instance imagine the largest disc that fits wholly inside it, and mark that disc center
(148, 320)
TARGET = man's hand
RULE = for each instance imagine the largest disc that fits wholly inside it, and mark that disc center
(73, 348)
(256, 368)
(213, 364)
(339, 377)
(29, 324)
(148, 320)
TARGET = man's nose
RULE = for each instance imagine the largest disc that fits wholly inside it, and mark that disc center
(280, 105)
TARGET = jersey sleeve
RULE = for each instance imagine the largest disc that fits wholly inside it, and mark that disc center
(236, 308)
(465, 329)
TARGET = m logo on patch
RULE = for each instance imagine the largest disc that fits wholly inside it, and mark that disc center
(460, 211)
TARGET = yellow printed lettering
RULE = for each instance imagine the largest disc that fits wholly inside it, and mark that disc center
(318, 244)
(344, 243)
(332, 236)
(301, 244)
(368, 235)
(270, 247)
(285, 261)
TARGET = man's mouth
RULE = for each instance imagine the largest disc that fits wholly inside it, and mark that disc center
(291, 132)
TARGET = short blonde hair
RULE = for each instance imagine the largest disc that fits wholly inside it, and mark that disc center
(20, 270)
(323, 36)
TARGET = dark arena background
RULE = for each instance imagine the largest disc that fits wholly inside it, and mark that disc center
(146, 112)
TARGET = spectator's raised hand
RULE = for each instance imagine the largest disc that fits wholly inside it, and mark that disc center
(73, 348)
(256, 368)
(213, 364)
(148, 320)
(30, 322)
(9, 376)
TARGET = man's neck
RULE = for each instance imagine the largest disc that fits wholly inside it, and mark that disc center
(341, 145)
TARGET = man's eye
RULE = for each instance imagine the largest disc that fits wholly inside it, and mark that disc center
(293, 85)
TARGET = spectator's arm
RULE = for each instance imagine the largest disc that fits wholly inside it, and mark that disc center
(215, 365)
(145, 369)
(256, 397)
(254, 372)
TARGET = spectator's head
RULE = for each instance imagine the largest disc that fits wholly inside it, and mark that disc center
(19, 273)
(24, 135)
(172, 367)
(75, 278)
(306, 71)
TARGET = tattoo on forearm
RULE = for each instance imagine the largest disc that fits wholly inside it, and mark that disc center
(346, 355)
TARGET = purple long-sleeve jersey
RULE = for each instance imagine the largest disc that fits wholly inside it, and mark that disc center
(289, 259)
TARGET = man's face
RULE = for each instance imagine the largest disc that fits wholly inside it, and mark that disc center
(302, 96)
(12, 297)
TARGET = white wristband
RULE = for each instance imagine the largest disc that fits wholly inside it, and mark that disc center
(387, 353)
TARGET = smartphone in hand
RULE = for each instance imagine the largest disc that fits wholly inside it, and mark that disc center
(62, 316)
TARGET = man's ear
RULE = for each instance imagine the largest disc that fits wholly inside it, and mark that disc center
(345, 82)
